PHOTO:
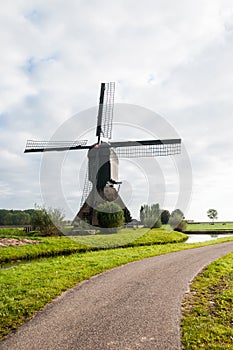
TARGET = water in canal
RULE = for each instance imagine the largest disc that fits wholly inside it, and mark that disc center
(195, 238)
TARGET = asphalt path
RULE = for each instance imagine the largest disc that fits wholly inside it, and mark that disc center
(135, 306)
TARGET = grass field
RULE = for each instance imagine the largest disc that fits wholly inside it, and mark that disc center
(30, 285)
(207, 309)
(53, 246)
(209, 226)
(13, 232)
(132, 237)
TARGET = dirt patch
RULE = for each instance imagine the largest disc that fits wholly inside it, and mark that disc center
(13, 242)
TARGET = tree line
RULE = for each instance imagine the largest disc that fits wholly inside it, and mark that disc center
(48, 221)
(16, 217)
(110, 215)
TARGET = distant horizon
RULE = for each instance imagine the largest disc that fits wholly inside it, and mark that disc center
(137, 217)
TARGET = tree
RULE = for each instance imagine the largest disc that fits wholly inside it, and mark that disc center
(127, 215)
(156, 214)
(142, 214)
(30, 211)
(3, 214)
(165, 215)
(8, 219)
(212, 214)
(176, 220)
(48, 221)
(22, 218)
(110, 216)
(177, 212)
(150, 215)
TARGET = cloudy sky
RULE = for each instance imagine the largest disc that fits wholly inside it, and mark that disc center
(172, 58)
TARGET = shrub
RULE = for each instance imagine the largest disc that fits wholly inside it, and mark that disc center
(176, 220)
(110, 215)
(165, 215)
(48, 221)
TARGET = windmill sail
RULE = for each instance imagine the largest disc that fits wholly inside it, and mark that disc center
(100, 111)
(46, 146)
(108, 110)
(105, 113)
(147, 148)
(86, 189)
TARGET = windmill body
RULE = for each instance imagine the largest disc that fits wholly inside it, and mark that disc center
(102, 166)
(102, 174)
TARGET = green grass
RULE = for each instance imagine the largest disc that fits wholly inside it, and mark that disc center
(12, 232)
(54, 246)
(114, 240)
(208, 313)
(131, 237)
(29, 286)
(209, 227)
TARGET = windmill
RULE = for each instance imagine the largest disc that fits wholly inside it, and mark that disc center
(102, 176)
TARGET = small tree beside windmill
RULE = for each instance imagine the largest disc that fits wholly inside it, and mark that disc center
(212, 214)
(110, 217)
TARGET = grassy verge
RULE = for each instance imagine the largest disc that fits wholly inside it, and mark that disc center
(209, 227)
(12, 232)
(207, 309)
(63, 246)
(51, 246)
(132, 238)
(27, 287)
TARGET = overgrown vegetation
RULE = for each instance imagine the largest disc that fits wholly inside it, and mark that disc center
(207, 309)
(49, 222)
(176, 220)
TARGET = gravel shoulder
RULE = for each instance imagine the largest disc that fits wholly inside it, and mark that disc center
(13, 242)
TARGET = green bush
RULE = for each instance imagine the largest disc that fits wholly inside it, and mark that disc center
(176, 220)
(110, 216)
(165, 215)
(48, 221)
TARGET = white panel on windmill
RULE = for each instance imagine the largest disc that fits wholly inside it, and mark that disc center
(113, 166)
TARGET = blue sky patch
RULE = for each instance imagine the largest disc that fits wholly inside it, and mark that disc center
(35, 16)
(30, 65)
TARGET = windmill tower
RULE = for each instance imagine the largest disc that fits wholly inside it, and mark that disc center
(102, 176)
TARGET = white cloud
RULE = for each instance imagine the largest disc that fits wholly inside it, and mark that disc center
(171, 57)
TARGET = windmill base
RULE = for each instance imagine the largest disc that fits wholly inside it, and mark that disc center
(87, 212)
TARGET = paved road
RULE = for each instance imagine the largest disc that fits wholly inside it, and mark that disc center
(136, 306)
